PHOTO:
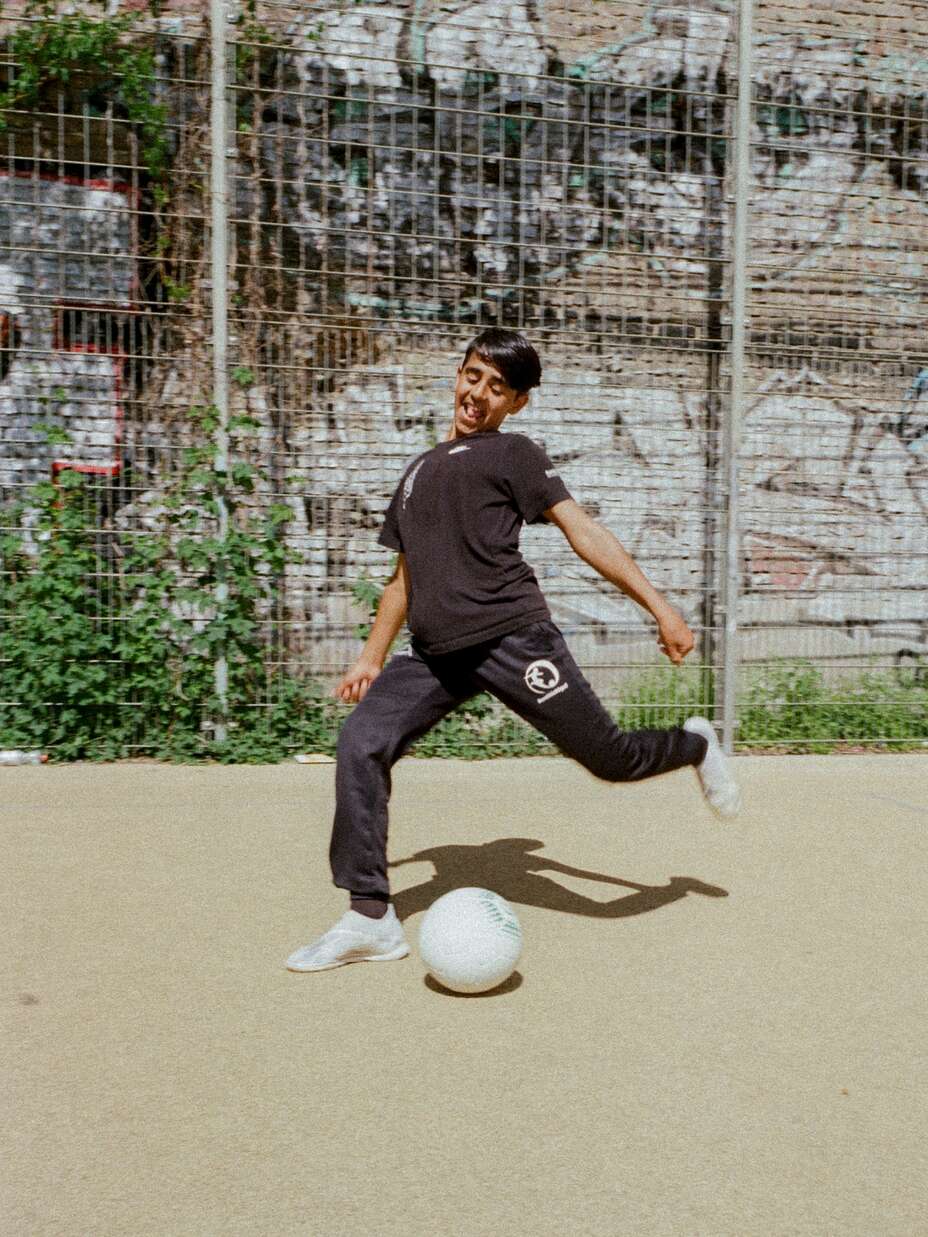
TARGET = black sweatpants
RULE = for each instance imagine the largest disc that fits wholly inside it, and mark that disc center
(532, 672)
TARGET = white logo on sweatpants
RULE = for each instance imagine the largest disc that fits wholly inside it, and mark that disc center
(544, 679)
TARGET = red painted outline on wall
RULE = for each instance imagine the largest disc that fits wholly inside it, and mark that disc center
(119, 357)
(103, 470)
(132, 196)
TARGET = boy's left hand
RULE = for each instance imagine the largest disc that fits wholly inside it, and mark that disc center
(676, 639)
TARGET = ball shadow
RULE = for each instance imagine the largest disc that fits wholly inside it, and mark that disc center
(509, 985)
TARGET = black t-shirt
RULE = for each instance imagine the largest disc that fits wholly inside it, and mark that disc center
(457, 515)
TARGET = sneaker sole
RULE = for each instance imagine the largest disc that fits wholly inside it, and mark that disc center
(401, 951)
(729, 808)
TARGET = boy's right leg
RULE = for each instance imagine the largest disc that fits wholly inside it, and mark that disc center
(406, 700)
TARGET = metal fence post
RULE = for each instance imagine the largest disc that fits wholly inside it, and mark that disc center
(219, 275)
(731, 434)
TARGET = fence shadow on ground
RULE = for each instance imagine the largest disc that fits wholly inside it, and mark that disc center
(509, 868)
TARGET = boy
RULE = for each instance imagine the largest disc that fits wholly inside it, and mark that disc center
(479, 622)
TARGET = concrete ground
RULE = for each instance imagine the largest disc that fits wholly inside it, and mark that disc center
(716, 1030)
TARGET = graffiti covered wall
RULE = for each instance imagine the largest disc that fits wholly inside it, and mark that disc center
(407, 173)
(578, 184)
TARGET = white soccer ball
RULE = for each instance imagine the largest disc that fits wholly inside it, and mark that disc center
(469, 940)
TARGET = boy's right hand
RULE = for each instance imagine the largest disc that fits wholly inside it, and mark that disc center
(354, 686)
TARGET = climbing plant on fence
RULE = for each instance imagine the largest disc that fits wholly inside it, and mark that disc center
(109, 638)
(95, 55)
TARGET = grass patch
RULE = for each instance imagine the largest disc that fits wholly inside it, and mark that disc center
(792, 706)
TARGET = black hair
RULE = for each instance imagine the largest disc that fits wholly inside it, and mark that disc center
(511, 353)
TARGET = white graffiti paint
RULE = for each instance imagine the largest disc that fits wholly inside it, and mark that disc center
(470, 38)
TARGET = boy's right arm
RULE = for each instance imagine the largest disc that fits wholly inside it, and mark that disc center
(391, 614)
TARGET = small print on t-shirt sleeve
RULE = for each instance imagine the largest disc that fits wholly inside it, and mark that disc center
(534, 480)
(390, 532)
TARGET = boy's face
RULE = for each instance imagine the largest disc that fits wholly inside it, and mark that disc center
(483, 399)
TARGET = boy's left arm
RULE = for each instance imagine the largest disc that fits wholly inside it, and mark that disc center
(596, 545)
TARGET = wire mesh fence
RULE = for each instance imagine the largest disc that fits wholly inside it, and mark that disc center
(398, 176)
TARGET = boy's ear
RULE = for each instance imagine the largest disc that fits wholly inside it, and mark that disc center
(520, 402)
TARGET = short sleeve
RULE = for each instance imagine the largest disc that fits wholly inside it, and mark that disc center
(533, 479)
(390, 531)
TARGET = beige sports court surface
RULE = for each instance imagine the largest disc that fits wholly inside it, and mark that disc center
(715, 1029)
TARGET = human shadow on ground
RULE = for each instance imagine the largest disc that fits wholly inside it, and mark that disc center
(508, 867)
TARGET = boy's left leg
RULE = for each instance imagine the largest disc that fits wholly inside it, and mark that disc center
(533, 672)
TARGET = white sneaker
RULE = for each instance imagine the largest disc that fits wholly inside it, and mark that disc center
(718, 786)
(355, 938)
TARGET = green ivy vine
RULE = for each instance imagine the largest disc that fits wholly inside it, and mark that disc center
(110, 636)
(53, 49)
